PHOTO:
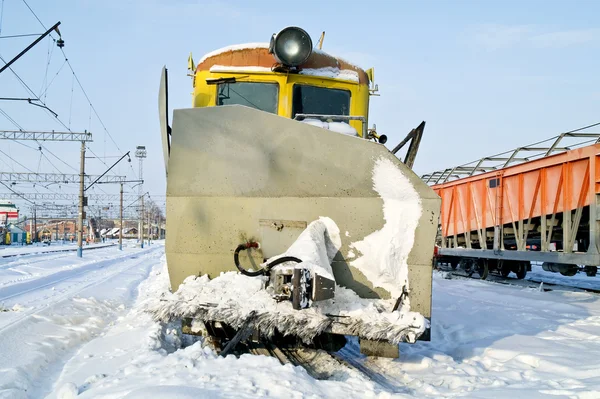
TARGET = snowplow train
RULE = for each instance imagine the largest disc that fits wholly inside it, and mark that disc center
(288, 218)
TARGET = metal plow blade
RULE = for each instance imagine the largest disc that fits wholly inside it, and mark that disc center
(237, 174)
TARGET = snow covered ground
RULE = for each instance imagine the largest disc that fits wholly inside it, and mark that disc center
(579, 280)
(86, 336)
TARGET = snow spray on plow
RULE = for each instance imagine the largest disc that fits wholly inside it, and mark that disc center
(286, 215)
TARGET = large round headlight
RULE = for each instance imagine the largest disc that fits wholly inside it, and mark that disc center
(291, 46)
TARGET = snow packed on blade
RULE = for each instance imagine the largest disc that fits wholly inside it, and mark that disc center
(233, 298)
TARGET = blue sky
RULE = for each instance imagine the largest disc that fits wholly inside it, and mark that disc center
(486, 76)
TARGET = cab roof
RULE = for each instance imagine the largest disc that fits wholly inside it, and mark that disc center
(255, 57)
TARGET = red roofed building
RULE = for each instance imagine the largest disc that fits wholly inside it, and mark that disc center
(8, 212)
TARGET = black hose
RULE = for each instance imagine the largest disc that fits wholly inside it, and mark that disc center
(236, 260)
(267, 268)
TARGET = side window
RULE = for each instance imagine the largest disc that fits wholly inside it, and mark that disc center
(262, 96)
(494, 182)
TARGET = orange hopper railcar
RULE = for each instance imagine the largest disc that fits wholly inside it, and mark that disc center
(535, 204)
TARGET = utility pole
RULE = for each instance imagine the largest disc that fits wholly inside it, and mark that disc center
(31, 226)
(149, 225)
(141, 232)
(140, 153)
(121, 220)
(81, 202)
(121, 205)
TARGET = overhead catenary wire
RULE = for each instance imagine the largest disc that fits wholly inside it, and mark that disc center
(33, 94)
(49, 78)
(45, 92)
(34, 14)
(90, 102)
(78, 81)
(26, 86)
(71, 103)
(50, 52)
(11, 120)
(1, 14)
(19, 194)
(17, 36)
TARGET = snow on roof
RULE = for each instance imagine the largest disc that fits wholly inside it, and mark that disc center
(225, 68)
(7, 205)
(330, 72)
(14, 228)
(234, 47)
(316, 50)
(249, 46)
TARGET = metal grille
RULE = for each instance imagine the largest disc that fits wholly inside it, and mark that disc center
(555, 145)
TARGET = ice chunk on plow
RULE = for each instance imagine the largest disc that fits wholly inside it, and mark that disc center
(232, 298)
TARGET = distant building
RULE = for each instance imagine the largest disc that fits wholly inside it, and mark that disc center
(16, 235)
(131, 232)
(8, 212)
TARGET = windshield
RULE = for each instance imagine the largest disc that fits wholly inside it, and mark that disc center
(319, 100)
(262, 96)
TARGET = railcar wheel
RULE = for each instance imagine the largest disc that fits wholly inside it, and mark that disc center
(483, 268)
(521, 270)
(504, 268)
(591, 271)
(480, 266)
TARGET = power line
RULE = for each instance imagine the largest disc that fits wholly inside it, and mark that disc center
(25, 145)
(17, 162)
(19, 78)
(89, 101)
(10, 188)
(36, 17)
(79, 83)
(15, 36)
(33, 94)
(1, 15)
(11, 120)
(71, 102)
(47, 159)
(45, 92)
(61, 160)
(50, 52)
(92, 108)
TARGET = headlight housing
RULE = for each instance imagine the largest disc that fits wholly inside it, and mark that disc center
(291, 46)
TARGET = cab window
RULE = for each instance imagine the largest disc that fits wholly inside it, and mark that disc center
(262, 96)
(319, 100)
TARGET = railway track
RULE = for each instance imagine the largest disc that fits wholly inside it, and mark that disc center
(533, 283)
(57, 251)
(323, 365)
